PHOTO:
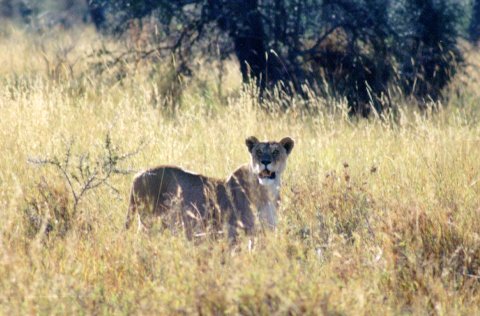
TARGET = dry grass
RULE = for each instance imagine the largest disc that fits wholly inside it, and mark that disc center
(379, 216)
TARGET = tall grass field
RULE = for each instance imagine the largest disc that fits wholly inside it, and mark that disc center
(379, 216)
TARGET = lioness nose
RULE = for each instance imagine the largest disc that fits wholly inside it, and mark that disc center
(266, 162)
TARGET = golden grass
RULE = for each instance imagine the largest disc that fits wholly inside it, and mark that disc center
(379, 216)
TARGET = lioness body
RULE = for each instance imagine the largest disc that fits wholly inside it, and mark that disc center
(158, 190)
(250, 192)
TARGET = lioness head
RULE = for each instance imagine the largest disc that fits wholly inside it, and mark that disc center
(269, 159)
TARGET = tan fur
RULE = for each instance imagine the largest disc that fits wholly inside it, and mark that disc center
(250, 192)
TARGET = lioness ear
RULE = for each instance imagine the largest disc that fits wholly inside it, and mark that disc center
(287, 143)
(251, 142)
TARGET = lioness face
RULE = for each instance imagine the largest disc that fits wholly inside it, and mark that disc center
(269, 159)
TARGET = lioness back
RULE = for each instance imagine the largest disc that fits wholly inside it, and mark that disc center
(157, 190)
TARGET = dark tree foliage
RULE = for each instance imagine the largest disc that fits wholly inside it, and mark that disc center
(430, 54)
(359, 63)
(12, 9)
(474, 29)
(97, 10)
(358, 47)
(6, 8)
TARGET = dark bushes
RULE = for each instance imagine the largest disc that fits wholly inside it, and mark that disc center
(359, 48)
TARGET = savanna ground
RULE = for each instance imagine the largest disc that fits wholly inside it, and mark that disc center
(379, 215)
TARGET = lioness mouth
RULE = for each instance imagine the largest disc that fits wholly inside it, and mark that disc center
(266, 174)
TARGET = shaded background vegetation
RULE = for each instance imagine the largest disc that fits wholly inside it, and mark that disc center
(356, 49)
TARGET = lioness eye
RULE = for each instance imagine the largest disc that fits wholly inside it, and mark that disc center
(275, 152)
(259, 152)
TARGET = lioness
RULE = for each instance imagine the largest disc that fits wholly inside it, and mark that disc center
(250, 191)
